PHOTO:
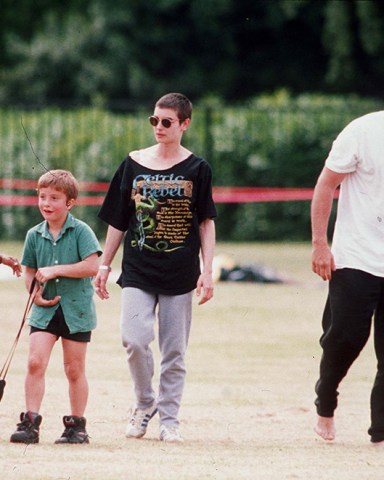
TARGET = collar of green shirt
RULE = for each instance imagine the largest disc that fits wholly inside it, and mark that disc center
(44, 230)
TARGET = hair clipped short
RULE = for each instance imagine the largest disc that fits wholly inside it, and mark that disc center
(61, 180)
(177, 102)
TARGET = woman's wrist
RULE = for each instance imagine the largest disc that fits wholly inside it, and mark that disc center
(105, 267)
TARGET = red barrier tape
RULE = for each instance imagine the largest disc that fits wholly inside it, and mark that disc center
(17, 201)
(31, 200)
(220, 194)
(15, 184)
(26, 201)
(256, 194)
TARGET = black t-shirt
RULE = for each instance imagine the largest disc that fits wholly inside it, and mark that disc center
(160, 211)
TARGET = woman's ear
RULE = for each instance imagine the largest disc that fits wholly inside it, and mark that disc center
(186, 123)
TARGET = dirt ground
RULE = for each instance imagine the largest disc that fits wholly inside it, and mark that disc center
(247, 411)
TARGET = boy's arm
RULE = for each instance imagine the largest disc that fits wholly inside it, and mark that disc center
(85, 268)
(205, 281)
(29, 274)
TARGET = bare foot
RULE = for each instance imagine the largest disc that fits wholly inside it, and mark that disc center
(325, 428)
(378, 444)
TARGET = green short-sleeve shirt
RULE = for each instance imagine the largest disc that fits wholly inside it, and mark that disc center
(75, 242)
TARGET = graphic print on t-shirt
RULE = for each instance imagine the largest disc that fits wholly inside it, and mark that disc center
(163, 211)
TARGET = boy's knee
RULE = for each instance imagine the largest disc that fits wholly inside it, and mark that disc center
(73, 370)
(35, 366)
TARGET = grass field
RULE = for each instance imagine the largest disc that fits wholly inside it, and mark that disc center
(247, 411)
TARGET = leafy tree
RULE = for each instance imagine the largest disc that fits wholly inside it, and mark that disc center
(70, 58)
(93, 50)
(24, 19)
(354, 38)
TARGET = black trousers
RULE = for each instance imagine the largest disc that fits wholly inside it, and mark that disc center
(354, 299)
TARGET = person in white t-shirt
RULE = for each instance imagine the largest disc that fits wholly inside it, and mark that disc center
(354, 266)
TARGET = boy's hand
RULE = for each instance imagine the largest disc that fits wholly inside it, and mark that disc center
(43, 302)
(46, 273)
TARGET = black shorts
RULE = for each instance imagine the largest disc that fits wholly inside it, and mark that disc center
(58, 327)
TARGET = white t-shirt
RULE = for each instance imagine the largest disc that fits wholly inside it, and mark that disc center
(358, 240)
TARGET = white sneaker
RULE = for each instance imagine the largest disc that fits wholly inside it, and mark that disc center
(138, 423)
(170, 434)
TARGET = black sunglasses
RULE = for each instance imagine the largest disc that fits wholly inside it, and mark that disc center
(166, 122)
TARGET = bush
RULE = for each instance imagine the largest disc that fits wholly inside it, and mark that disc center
(276, 141)
(272, 141)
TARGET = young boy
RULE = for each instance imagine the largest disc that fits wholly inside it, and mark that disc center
(161, 197)
(62, 254)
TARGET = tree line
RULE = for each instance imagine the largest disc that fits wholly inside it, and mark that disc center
(273, 141)
(97, 51)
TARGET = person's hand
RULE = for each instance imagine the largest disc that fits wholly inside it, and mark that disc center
(13, 263)
(101, 284)
(205, 285)
(43, 302)
(323, 263)
(44, 274)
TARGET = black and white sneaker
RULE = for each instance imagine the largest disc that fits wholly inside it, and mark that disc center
(170, 434)
(138, 423)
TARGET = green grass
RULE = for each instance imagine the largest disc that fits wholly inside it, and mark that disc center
(247, 411)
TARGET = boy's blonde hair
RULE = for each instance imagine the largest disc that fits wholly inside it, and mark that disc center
(61, 180)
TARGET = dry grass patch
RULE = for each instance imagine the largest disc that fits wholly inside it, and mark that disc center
(247, 411)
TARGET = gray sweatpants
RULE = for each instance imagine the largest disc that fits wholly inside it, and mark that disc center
(138, 316)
